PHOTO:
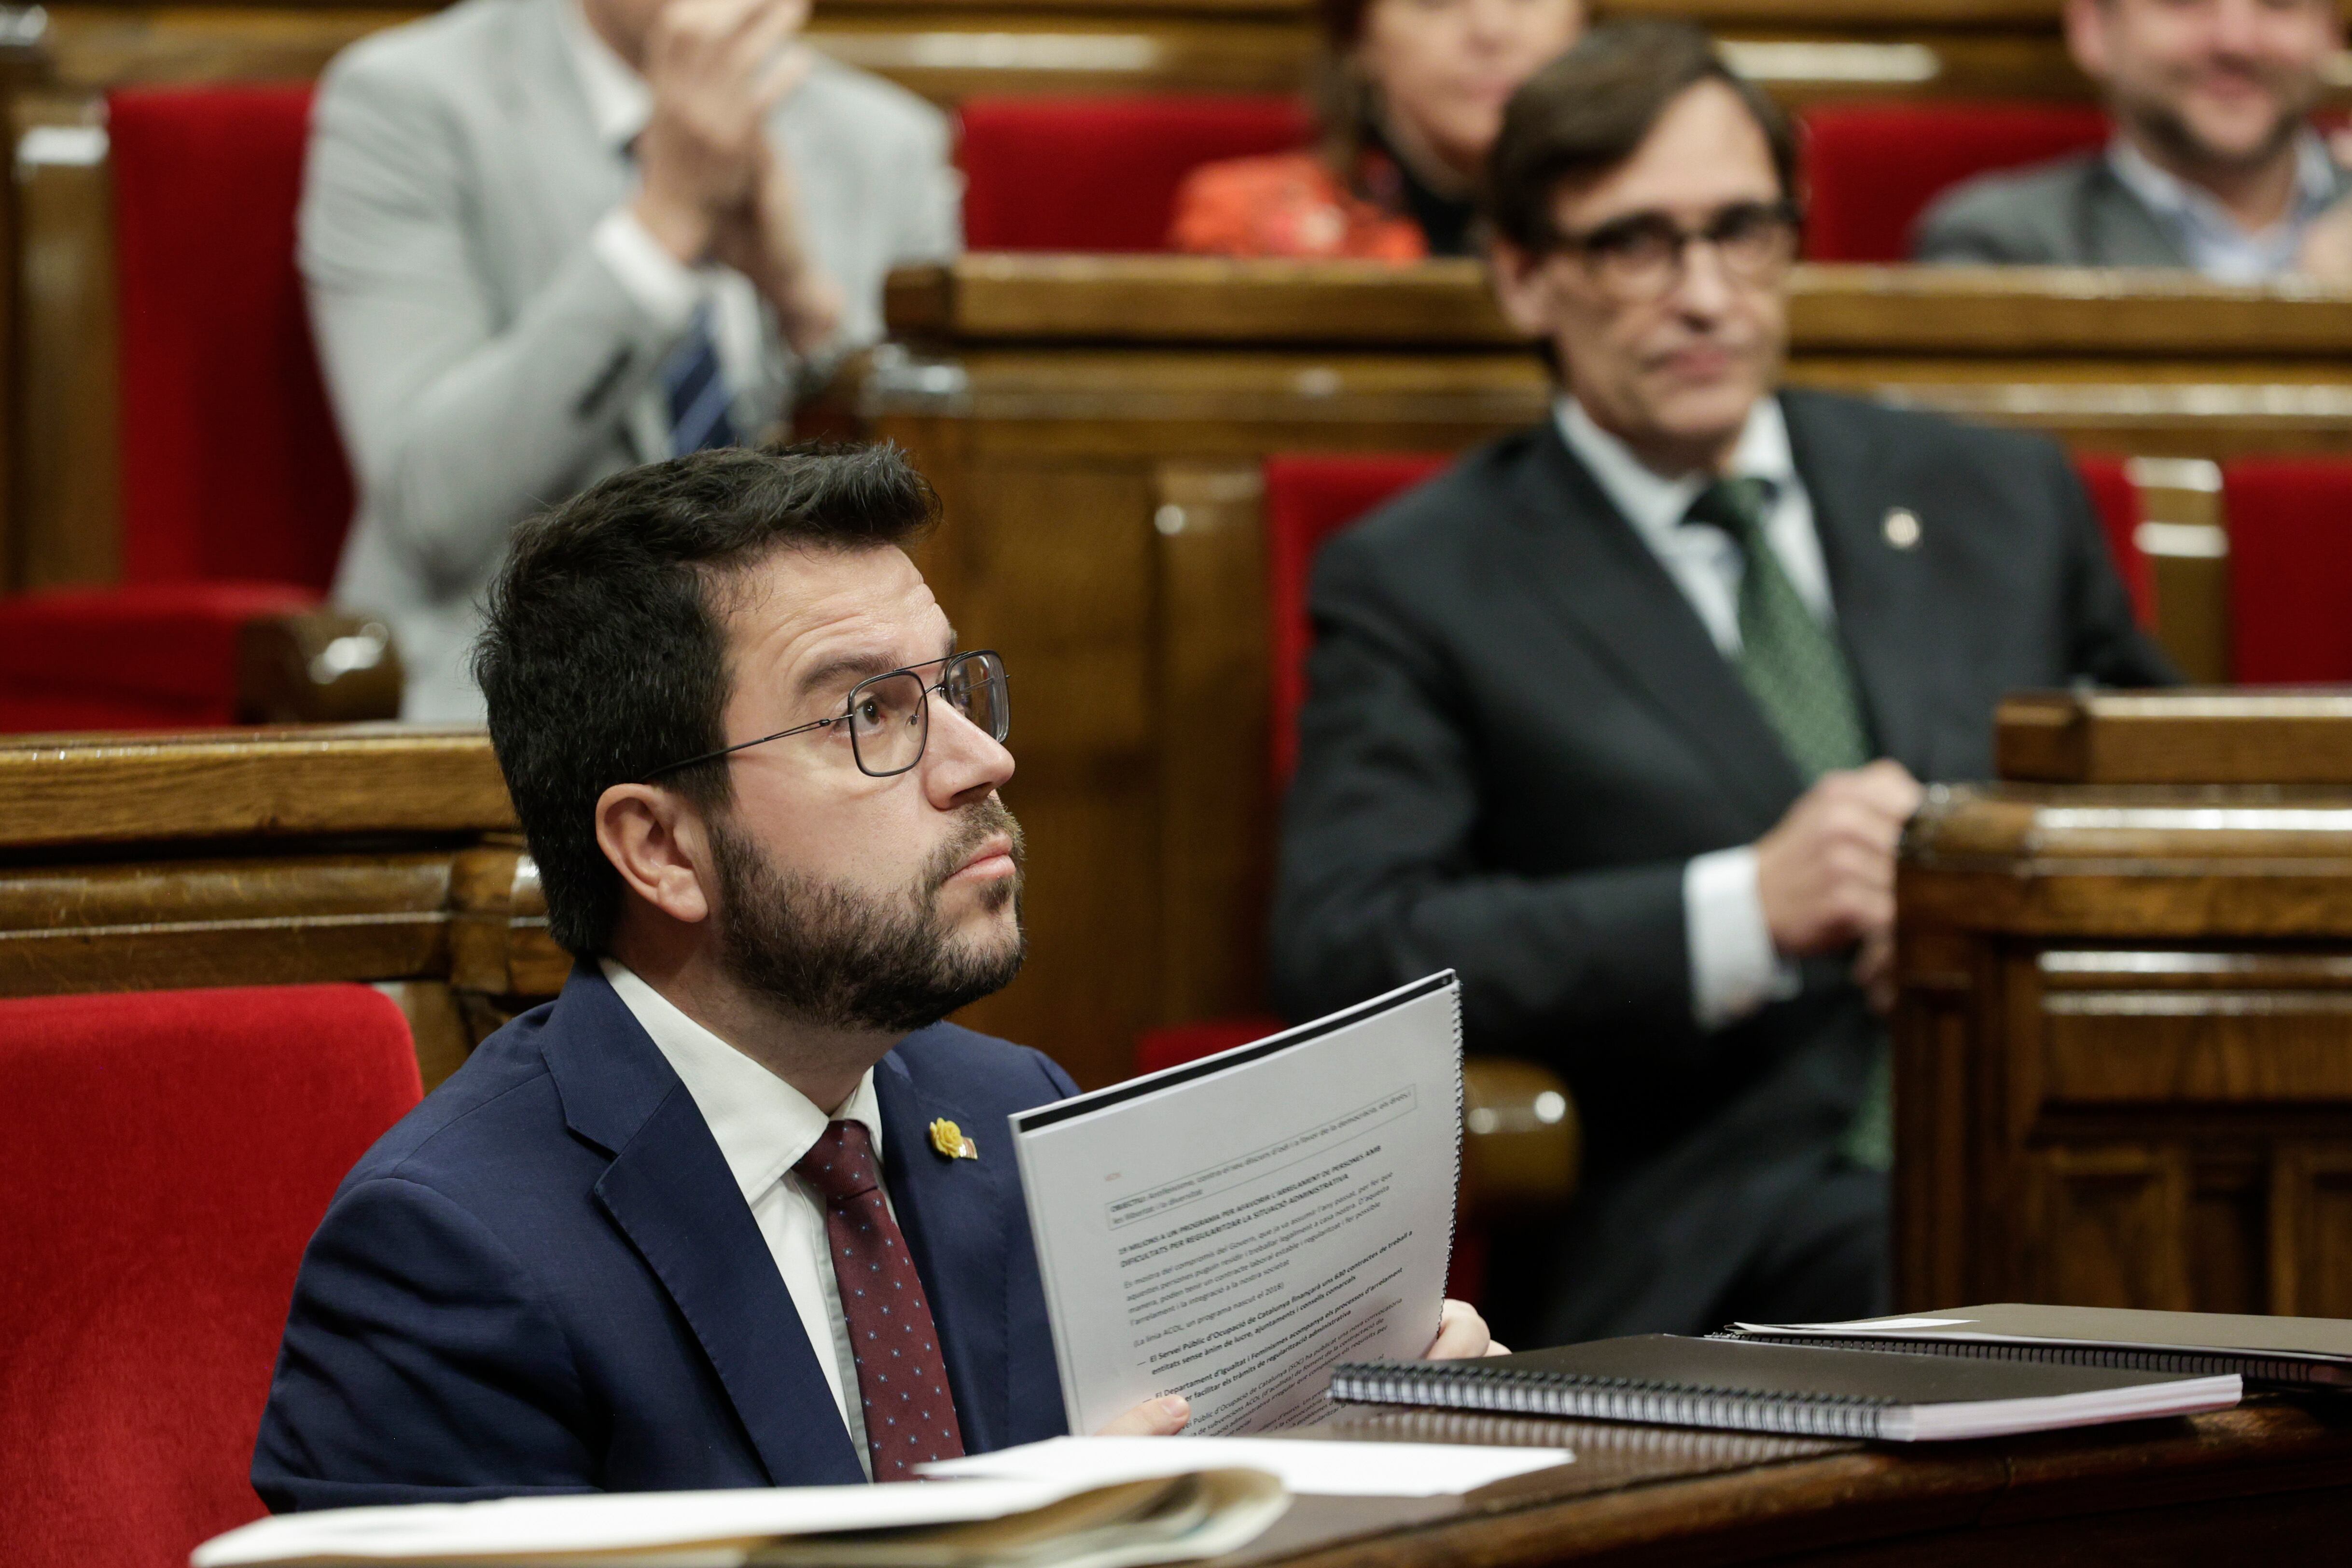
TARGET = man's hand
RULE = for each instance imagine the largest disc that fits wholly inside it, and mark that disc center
(763, 241)
(1161, 1417)
(715, 68)
(1461, 1334)
(1826, 874)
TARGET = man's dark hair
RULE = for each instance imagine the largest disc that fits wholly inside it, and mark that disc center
(1589, 111)
(604, 656)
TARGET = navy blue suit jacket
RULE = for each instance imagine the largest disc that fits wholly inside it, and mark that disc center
(545, 1279)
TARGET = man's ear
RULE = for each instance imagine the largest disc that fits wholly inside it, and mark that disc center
(1520, 287)
(2086, 36)
(659, 845)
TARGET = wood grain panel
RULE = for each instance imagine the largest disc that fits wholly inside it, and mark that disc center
(2221, 736)
(91, 790)
(2110, 1228)
(2154, 1048)
(2310, 1203)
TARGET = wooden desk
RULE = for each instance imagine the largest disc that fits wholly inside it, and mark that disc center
(1095, 426)
(2264, 1483)
(2123, 1048)
(368, 852)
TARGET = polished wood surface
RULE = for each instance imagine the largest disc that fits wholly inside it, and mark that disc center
(1096, 424)
(2124, 1047)
(2268, 1482)
(2223, 736)
(373, 853)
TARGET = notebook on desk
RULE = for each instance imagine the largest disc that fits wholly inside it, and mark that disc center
(1801, 1389)
(2292, 1354)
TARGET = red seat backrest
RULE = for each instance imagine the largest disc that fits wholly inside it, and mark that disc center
(231, 467)
(1100, 174)
(1308, 499)
(1870, 169)
(2289, 524)
(168, 1155)
(2121, 512)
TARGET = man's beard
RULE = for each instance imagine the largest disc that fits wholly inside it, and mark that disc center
(2169, 129)
(835, 956)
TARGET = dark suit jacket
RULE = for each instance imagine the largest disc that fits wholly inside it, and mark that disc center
(2072, 212)
(545, 1279)
(1520, 733)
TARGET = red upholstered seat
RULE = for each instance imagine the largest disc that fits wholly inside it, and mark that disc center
(168, 1155)
(2289, 524)
(235, 496)
(1870, 169)
(1100, 174)
(2121, 512)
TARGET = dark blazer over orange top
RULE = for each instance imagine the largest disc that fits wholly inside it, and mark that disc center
(1288, 204)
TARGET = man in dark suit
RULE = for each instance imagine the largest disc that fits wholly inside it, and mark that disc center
(1621, 716)
(737, 1209)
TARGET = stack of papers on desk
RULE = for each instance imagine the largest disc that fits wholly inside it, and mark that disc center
(963, 1524)
(1323, 1467)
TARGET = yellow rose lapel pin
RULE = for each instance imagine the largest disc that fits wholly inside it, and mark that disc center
(949, 1140)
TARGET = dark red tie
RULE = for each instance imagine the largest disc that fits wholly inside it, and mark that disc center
(902, 1379)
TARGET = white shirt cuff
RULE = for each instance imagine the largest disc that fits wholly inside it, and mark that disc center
(1735, 969)
(667, 288)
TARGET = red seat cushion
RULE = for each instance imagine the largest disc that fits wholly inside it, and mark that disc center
(1100, 174)
(1308, 499)
(1870, 169)
(231, 467)
(145, 655)
(2121, 512)
(168, 1155)
(2289, 526)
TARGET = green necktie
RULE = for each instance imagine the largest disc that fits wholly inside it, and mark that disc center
(1794, 669)
(1788, 659)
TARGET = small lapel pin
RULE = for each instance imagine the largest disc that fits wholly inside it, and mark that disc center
(949, 1140)
(1901, 527)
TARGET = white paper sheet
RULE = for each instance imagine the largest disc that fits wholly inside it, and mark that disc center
(1326, 1468)
(1231, 1228)
(614, 1521)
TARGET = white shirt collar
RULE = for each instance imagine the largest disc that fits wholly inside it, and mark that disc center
(2173, 198)
(1654, 503)
(618, 99)
(762, 1123)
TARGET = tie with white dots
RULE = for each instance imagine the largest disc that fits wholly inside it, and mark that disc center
(902, 1379)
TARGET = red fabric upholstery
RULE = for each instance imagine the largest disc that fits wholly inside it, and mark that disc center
(168, 1155)
(1173, 1047)
(1100, 174)
(1870, 169)
(2121, 513)
(2289, 569)
(1308, 499)
(231, 465)
(146, 655)
(235, 494)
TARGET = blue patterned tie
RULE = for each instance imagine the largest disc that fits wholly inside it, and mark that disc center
(701, 414)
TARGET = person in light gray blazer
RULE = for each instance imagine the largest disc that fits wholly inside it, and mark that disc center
(545, 240)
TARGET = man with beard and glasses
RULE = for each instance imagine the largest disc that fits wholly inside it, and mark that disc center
(737, 1209)
(2213, 164)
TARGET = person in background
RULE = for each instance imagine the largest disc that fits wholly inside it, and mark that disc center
(2213, 165)
(1620, 717)
(544, 240)
(1410, 93)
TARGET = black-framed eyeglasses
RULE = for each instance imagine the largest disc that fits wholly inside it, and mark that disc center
(1642, 255)
(890, 716)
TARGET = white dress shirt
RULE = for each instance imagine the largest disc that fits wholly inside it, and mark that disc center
(1734, 968)
(620, 103)
(2211, 239)
(762, 1127)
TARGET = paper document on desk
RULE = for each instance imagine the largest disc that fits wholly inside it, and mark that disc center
(1320, 1468)
(1231, 1228)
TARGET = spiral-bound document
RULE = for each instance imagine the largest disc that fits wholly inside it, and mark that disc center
(1797, 1390)
(1230, 1229)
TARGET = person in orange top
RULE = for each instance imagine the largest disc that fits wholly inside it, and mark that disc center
(1410, 95)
